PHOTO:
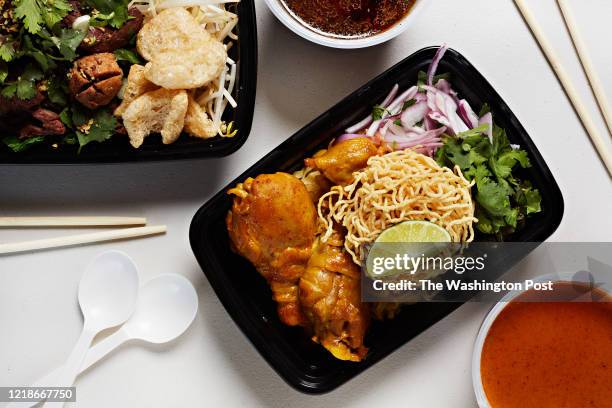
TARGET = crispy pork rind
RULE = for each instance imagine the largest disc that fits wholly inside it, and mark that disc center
(197, 122)
(181, 53)
(137, 84)
(161, 111)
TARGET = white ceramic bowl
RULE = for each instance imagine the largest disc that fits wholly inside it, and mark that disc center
(297, 26)
(481, 397)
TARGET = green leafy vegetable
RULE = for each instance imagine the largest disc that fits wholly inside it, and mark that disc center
(93, 128)
(25, 86)
(408, 104)
(114, 12)
(35, 13)
(7, 50)
(29, 49)
(3, 71)
(502, 200)
(66, 118)
(57, 91)
(68, 42)
(18, 145)
(127, 55)
(422, 79)
(378, 112)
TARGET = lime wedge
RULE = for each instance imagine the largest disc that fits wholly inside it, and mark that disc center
(414, 231)
(412, 239)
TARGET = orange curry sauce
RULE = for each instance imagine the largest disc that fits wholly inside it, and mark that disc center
(556, 354)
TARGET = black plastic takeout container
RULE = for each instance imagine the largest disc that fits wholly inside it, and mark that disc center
(303, 364)
(119, 150)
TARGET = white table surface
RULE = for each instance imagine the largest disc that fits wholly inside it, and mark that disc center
(213, 364)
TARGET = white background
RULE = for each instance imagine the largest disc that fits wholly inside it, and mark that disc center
(213, 364)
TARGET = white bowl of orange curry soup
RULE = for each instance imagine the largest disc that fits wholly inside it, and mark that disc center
(346, 23)
(537, 349)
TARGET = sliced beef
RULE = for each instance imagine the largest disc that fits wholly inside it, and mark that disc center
(108, 39)
(50, 124)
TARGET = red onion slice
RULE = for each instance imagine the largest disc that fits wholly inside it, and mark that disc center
(443, 109)
(466, 113)
(408, 94)
(368, 119)
(414, 114)
(487, 119)
(434, 63)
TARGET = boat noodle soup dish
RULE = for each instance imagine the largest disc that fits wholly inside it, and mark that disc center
(74, 72)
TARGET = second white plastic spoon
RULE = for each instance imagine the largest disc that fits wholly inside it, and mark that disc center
(107, 295)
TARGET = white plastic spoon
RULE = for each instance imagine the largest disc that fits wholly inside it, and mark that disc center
(107, 295)
(166, 307)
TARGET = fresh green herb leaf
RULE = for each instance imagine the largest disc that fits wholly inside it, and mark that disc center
(9, 91)
(378, 112)
(25, 86)
(57, 91)
(421, 79)
(100, 19)
(69, 41)
(126, 55)
(3, 71)
(484, 110)
(408, 104)
(80, 115)
(492, 197)
(66, 118)
(25, 89)
(445, 76)
(502, 200)
(120, 16)
(18, 145)
(477, 131)
(28, 49)
(8, 50)
(397, 122)
(533, 200)
(70, 139)
(97, 129)
(35, 13)
(503, 164)
(118, 9)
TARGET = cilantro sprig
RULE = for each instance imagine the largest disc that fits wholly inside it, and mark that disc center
(38, 13)
(503, 200)
(24, 87)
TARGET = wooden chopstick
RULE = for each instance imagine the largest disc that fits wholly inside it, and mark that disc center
(70, 221)
(565, 81)
(80, 239)
(587, 65)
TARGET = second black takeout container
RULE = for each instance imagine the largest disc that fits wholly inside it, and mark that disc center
(307, 366)
(119, 150)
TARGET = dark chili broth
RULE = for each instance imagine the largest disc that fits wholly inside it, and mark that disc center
(349, 18)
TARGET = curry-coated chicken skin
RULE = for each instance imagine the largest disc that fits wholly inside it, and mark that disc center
(340, 161)
(330, 295)
(272, 223)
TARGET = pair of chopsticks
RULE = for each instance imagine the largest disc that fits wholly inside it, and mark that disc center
(132, 231)
(565, 81)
